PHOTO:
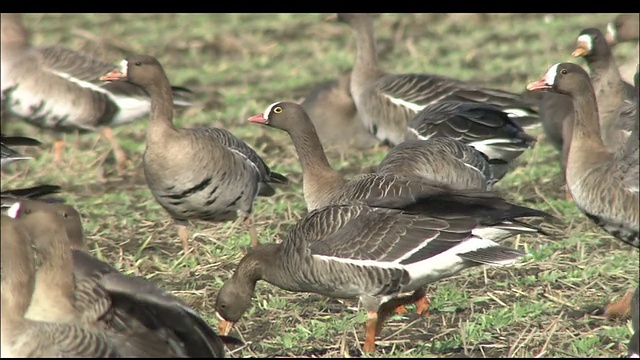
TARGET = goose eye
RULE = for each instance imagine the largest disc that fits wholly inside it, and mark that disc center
(65, 215)
(563, 71)
(26, 211)
(277, 109)
(138, 63)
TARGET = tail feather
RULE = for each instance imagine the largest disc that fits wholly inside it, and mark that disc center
(494, 255)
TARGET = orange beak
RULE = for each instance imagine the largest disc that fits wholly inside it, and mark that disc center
(580, 50)
(114, 75)
(538, 85)
(225, 327)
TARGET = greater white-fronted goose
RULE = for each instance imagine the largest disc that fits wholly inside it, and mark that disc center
(74, 287)
(335, 117)
(9, 154)
(442, 160)
(41, 192)
(625, 28)
(57, 88)
(603, 184)
(386, 102)
(483, 126)
(611, 91)
(194, 173)
(382, 253)
(22, 337)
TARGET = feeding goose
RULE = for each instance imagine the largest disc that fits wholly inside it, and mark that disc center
(72, 286)
(604, 184)
(383, 252)
(204, 173)
(386, 102)
(57, 88)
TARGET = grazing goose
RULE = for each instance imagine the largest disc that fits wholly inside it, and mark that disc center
(195, 173)
(144, 320)
(334, 115)
(444, 161)
(386, 102)
(57, 88)
(625, 28)
(9, 154)
(603, 184)
(485, 127)
(382, 252)
(611, 92)
(22, 337)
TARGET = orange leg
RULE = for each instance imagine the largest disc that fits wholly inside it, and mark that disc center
(121, 156)
(621, 308)
(370, 332)
(183, 232)
(420, 300)
(567, 193)
(58, 146)
(248, 222)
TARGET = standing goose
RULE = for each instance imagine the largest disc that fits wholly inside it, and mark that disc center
(444, 161)
(485, 127)
(382, 253)
(74, 287)
(194, 173)
(9, 154)
(625, 28)
(387, 102)
(22, 337)
(57, 88)
(611, 91)
(603, 184)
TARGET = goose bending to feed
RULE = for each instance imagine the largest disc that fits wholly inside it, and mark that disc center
(323, 186)
(382, 252)
(483, 126)
(22, 337)
(40, 192)
(9, 154)
(57, 88)
(195, 173)
(611, 91)
(603, 184)
(141, 319)
(335, 117)
(443, 161)
(387, 102)
(625, 28)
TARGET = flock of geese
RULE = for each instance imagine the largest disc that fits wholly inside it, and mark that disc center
(426, 213)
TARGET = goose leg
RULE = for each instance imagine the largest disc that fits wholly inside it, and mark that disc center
(247, 219)
(419, 298)
(58, 146)
(620, 308)
(183, 232)
(370, 332)
(121, 156)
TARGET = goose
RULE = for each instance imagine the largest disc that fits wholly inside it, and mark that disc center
(386, 102)
(485, 127)
(625, 28)
(9, 154)
(41, 192)
(611, 91)
(22, 337)
(444, 161)
(323, 186)
(146, 320)
(634, 343)
(381, 251)
(195, 173)
(335, 117)
(57, 88)
(603, 184)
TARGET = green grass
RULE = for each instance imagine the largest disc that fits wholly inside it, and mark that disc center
(238, 64)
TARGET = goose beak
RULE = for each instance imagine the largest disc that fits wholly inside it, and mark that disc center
(580, 50)
(538, 85)
(225, 327)
(258, 119)
(114, 75)
(332, 17)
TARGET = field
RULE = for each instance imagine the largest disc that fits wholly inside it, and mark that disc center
(237, 64)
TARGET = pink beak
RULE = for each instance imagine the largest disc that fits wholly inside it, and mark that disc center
(258, 119)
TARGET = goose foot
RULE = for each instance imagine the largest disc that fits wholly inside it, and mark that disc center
(621, 308)
(419, 299)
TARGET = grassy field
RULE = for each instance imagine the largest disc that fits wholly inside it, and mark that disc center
(237, 64)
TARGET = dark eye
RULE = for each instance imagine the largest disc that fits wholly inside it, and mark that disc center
(563, 71)
(65, 215)
(26, 211)
(277, 109)
(138, 63)
(222, 306)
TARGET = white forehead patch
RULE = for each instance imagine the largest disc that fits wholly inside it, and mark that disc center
(14, 210)
(611, 30)
(586, 40)
(124, 65)
(267, 111)
(550, 76)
